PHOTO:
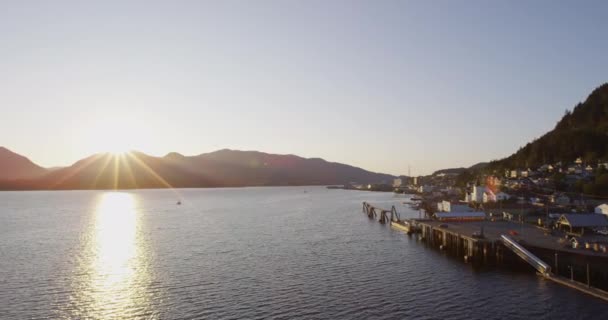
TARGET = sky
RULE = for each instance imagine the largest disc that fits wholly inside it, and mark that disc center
(384, 85)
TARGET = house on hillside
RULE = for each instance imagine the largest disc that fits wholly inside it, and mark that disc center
(559, 199)
(602, 209)
(476, 194)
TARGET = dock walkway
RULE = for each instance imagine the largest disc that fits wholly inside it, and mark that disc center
(488, 242)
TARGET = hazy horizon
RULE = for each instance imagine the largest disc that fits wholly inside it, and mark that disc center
(379, 85)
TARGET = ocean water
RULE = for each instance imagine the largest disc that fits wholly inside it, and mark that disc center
(249, 253)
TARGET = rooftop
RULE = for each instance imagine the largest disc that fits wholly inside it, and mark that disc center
(585, 220)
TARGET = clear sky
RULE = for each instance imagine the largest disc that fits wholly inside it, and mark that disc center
(376, 84)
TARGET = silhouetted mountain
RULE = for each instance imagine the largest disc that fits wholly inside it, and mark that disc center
(475, 167)
(450, 171)
(223, 168)
(583, 132)
(15, 166)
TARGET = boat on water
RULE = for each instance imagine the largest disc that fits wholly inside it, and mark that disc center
(403, 226)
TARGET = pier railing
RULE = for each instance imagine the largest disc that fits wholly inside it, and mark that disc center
(526, 255)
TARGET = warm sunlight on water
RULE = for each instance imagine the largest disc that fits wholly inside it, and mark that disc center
(251, 253)
(115, 267)
(116, 254)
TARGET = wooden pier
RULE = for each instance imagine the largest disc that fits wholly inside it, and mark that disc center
(389, 216)
(478, 242)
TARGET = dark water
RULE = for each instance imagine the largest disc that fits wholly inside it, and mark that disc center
(254, 253)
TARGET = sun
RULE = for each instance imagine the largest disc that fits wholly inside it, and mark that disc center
(116, 137)
(119, 150)
(116, 147)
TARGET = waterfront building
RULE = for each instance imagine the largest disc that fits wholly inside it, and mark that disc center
(460, 216)
(579, 223)
(447, 206)
(398, 182)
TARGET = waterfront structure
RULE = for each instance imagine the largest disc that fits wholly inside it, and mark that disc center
(447, 206)
(425, 189)
(397, 183)
(460, 216)
(489, 242)
(579, 223)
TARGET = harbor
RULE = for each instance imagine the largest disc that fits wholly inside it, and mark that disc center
(490, 242)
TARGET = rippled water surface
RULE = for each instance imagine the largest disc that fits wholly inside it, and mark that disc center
(252, 253)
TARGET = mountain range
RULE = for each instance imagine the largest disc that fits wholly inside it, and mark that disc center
(222, 168)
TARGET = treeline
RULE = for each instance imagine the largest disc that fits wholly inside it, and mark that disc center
(582, 132)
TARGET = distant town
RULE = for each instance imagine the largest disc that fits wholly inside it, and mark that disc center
(541, 215)
(523, 194)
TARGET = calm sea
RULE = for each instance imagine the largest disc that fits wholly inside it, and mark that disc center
(251, 253)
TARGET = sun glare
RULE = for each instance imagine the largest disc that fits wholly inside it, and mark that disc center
(118, 138)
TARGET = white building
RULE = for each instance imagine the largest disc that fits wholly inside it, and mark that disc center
(397, 182)
(447, 206)
(602, 208)
(476, 194)
(425, 189)
(489, 196)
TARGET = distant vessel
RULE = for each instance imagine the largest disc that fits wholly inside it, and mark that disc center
(403, 226)
(179, 203)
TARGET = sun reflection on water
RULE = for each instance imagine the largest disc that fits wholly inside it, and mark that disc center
(116, 272)
(115, 229)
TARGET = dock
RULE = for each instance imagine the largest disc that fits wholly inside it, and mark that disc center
(487, 242)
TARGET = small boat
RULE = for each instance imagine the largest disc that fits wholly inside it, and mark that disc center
(404, 226)
(179, 203)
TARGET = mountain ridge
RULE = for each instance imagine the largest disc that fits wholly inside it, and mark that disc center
(220, 168)
(582, 132)
(16, 166)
